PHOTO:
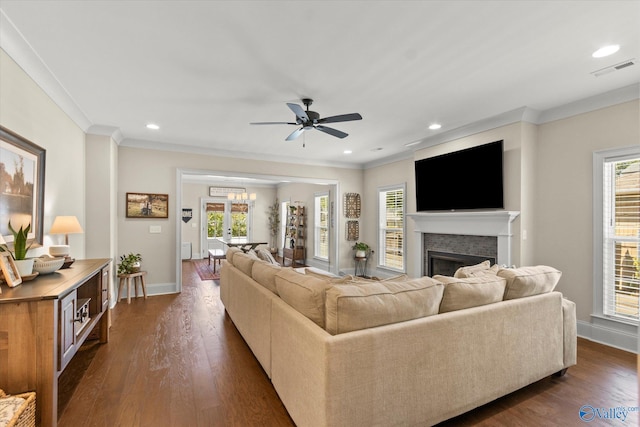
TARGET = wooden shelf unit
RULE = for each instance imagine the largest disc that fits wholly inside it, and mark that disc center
(295, 240)
(40, 332)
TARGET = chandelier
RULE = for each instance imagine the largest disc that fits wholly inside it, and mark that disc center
(244, 196)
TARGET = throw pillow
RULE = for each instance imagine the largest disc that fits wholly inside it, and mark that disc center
(265, 255)
(470, 270)
(351, 307)
(461, 293)
(527, 281)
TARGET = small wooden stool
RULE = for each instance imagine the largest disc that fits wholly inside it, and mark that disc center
(216, 255)
(128, 278)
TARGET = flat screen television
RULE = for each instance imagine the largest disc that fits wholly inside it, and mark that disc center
(469, 179)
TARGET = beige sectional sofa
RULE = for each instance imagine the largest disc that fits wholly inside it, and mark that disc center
(343, 351)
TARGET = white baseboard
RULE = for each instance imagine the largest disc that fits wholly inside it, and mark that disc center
(623, 340)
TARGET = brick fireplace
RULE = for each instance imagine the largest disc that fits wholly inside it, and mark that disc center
(460, 238)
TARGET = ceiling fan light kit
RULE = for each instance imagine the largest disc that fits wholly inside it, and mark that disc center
(308, 120)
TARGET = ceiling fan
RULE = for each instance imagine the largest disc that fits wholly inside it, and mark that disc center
(311, 120)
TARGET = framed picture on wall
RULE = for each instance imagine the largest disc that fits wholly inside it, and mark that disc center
(21, 185)
(147, 205)
(9, 270)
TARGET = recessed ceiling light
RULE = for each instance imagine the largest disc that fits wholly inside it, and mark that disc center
(153, 126)
(347, 151)
(606, 51)
(435, 126)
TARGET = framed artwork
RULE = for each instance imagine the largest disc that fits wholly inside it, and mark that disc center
(9, 270)
(147, 205)
(21, 185)
(353, 230)
(352, 205)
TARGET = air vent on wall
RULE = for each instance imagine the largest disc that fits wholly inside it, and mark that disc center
(612, 68)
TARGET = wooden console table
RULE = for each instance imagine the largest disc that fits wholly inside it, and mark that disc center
(41, 329)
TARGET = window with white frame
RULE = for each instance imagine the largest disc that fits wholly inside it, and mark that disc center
(321, 226)
(618, 226)
(391, 215)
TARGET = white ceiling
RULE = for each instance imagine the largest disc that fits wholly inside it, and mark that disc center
(203, 70)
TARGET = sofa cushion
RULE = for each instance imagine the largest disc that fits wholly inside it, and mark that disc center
(461, 293)
(265, 274)
(527, 281)
(231, 252)
(322, 274)
(475, 270)
(244, 262)
(351, 307)
(303, 292)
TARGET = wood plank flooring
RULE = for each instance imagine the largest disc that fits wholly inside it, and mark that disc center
(177, 360)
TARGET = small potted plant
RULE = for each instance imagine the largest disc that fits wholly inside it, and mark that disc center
(20, 249)
(361, 249)
(129, 263)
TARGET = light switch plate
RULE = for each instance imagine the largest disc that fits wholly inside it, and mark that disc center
(155, 229)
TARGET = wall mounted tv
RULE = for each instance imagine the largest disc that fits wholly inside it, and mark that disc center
(463, 180)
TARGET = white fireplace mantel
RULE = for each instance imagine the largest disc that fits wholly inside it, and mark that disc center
(476, 223)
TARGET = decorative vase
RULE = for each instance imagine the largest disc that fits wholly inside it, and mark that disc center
(25, 266)
(361, 253)
(135, 267)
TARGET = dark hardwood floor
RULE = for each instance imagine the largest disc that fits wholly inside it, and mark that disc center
(177, 360)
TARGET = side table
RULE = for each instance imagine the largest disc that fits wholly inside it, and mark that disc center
(361, 266)
(128, 278)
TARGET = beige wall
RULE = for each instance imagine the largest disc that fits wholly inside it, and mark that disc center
(26, 110)
(154, 171)
(563, 208)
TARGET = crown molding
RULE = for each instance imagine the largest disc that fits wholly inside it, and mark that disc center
(190, 149)
(110, 131)
(14, 44)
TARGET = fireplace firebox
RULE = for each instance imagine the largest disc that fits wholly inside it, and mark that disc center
(446, 263)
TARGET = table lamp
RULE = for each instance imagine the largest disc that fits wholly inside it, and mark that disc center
(64, 225)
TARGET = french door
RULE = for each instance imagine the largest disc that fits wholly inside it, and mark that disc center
(222, 218)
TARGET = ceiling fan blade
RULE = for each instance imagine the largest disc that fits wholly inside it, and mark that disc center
(296, 133)
(272, 123)
(298, 111)
(332, 131)
(341, 118)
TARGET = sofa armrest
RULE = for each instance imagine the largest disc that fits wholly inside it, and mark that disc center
(570, 332)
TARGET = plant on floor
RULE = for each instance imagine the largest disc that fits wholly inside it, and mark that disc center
(129, 263)
(274, 222)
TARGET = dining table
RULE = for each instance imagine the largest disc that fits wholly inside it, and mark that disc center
(240, 242)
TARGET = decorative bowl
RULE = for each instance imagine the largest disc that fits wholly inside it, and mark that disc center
(59, 250)
(46, 264)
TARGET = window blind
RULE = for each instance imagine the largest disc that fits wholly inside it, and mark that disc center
(391, 226)
(621, 238)
(321, 226)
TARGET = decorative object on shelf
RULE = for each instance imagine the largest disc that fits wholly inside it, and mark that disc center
(129, 263)
(23, 171)
(20, 249)
(147, 205)
(353, 230)
(294, 244)
(9, 270)
(47, 264)
(361, 248)
(352, 205)
(274, 223)
(187, 214)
